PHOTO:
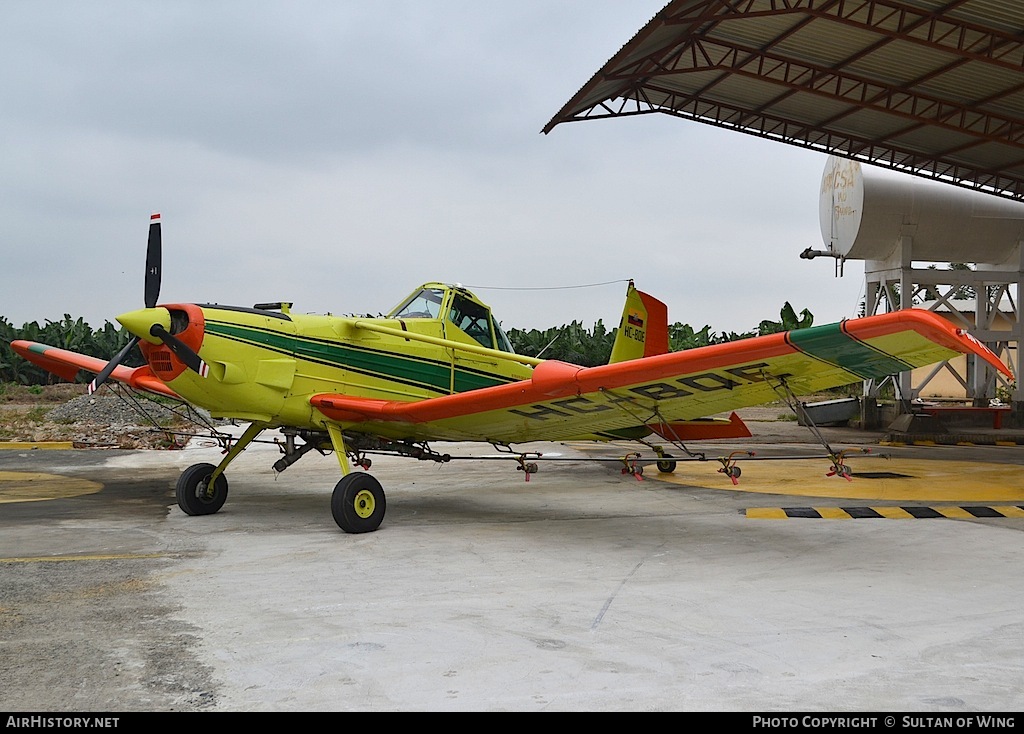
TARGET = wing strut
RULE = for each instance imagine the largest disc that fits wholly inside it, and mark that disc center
(838, 459)
(622, 400)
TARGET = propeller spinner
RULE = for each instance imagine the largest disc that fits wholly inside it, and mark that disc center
(151, 321)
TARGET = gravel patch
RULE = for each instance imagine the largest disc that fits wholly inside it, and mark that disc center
(108, 420)
(109, 410)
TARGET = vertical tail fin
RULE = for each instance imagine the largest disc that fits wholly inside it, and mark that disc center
(643, 330)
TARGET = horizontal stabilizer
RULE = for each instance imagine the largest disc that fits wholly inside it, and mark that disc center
(703, 429)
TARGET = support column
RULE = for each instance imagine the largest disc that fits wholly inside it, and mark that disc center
(996, 320)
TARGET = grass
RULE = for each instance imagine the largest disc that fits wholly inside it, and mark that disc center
(17, 424)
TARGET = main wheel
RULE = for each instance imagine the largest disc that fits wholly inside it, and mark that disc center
(665, 464)
(194, 493)
(358, 503)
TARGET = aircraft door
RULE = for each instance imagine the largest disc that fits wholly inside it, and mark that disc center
(473, 320)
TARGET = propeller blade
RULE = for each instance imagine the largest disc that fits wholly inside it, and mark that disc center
(109, 368)
(181, 350)
(153, 259)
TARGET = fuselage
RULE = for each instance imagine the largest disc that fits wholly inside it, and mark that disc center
(265, 365)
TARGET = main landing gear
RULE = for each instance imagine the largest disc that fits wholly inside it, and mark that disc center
(198, 493)
(357, 504)
(202, 489)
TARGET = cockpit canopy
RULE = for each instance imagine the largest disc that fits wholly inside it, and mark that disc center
(454, 305)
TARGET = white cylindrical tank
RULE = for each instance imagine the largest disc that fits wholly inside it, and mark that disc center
(864, 211)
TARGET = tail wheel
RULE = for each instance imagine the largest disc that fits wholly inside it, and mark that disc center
(358, 503)
(665, 464)
(195, 494)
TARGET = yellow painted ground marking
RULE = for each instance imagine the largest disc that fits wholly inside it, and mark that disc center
(107, 557)
(831, 513)
(17, 486)
(957, 512)
(37, 445)
(893, 513)
(767, 513)
(1009, 510)
(924, 480)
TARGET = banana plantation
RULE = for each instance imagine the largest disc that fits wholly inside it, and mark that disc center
(72, 334)
(576, 344)
(570, 343)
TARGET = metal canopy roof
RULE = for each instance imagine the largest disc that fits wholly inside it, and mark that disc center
(929, 87)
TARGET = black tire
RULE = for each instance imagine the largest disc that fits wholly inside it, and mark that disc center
(665, 464)
(358, 503)
(193, 493)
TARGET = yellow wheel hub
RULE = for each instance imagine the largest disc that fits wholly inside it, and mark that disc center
(364, 503)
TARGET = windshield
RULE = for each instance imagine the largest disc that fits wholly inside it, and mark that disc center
(424, 305)
(503, 341)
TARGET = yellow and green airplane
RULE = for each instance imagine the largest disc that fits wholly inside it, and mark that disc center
(439, 368)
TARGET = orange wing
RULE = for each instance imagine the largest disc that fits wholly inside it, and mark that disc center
(563, 401)
(66, 364)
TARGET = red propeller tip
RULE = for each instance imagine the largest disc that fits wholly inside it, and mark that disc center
(154, 217)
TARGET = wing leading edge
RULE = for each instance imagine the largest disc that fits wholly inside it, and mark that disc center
(563, 401)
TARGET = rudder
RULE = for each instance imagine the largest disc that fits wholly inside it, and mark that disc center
(643, 329)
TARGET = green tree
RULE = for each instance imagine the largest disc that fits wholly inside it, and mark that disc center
(572, 343)
(72, 334)
(682, 336)
(788, 321)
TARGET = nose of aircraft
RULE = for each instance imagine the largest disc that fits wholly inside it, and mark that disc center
(140, 322)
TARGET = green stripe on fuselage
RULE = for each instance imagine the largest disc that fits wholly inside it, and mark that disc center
(426, 373)
(833, 345)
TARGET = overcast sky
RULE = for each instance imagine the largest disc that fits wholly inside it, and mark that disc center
(338, 154)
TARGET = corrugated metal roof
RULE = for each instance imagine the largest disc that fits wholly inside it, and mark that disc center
(929, 87)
